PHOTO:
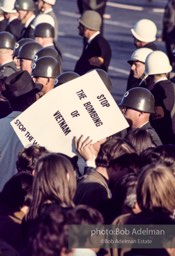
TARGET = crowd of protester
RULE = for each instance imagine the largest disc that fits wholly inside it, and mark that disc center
(126, 179)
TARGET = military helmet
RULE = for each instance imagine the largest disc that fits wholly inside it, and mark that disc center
(47, 51)
(26, 5)
(140, 99)
(28, 50)
(52, 2)
(105, 78)
(145, 30)
(46, 67)
(91, 20)
(65, 77)
(44, 30)
(7, 40)
(20, 43)
(157, 62)
(8, 6)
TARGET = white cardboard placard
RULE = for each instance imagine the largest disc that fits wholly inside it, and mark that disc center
(82, 106)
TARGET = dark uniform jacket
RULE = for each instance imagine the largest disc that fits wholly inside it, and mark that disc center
(163, 120)
(28, 32)
(15, 28)
(3, 25)
(153, 133)
(98, 47)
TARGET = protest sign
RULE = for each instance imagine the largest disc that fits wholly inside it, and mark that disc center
(82, 106)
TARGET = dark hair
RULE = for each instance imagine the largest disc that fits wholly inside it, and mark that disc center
(50, 234)
(123, 172)
(14, 193)
(164, 154)
(111, 149)
(140, 139)
(27, 158)
(83, 214)
(55, 181)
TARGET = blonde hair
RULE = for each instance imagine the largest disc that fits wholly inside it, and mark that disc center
(156, 188)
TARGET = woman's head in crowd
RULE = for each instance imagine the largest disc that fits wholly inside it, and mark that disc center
(54, 182)
(140, 139)
(156, 189)
(15, 191)
(27, 158)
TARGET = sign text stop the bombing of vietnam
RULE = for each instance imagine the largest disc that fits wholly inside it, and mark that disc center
(82, 106)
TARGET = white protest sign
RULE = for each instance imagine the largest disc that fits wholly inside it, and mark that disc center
(82, 106)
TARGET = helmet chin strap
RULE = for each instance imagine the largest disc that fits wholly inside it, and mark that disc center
(144, 78)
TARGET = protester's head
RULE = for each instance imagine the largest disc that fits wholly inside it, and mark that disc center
(27, 158)
(50, 234)
(122, 172)
(13, 195)
(20, 90)
(144, 32)
(111, 149)
(54, 182)
(89, 23)
(137, 61)
(83, 214)
(140, 139)
(137, 104)
(164, 154)
(156, 189)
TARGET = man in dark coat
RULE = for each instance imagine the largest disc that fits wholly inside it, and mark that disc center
(14, 25)
(97, 51)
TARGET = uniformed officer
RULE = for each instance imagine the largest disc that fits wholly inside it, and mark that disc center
(46, 7)
(157, 66)
(45, 71)
(14, 25)
(97, 52)
(26, 11)
(93, 5)
(3, 21)
(65, 77)
(144, 34)
(137, 68)
(44, 34)
(137, 105)
(7, 65)
(26, 55)
(18, 45)
(48, 51)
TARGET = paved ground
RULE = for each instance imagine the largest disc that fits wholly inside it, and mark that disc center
(117, 30)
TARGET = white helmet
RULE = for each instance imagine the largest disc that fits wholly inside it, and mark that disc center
(8, 6)
(156, 63)
(140, 55)
(145, 31)
(52, 2)
(44, 18)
